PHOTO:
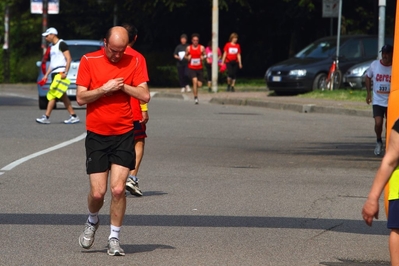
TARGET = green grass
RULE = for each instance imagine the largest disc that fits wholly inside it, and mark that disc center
(341, 94)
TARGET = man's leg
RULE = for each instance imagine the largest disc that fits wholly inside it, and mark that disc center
(394, 247)
(50, 107)
(98, 188)
(132, 182)
(139, 149)
(95, 200)
(118, 207)
(378, 126)
(118, 201)
(67, 104)
(378, 132)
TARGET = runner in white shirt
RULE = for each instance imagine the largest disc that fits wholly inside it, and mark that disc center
(379, 75)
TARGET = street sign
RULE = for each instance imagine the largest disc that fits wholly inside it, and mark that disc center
(330, 8)
(36, 6)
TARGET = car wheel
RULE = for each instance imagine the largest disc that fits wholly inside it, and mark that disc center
(43, 103)
(319, 82)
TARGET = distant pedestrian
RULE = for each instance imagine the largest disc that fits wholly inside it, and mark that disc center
(181, 63)
(378, 75)
(60, 61)
(195, 54)
(232, 59)
(208, 63)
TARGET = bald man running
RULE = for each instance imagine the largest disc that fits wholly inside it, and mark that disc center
(106, 80)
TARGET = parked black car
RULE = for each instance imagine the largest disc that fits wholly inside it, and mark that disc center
(308, 69)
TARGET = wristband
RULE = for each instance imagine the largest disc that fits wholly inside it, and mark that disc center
(144, 107)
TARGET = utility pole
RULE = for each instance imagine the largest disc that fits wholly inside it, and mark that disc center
(215, 43)
(6, 57)
(381, 25)
(339, 28)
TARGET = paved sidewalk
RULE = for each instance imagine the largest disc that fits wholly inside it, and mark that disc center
(262, 99)
(250, 97)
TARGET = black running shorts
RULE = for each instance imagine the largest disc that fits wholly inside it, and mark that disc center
(102, 151)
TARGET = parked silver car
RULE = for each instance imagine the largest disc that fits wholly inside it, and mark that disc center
(77, 48)
(356, 75)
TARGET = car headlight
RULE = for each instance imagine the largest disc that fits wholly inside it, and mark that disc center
(297, 72)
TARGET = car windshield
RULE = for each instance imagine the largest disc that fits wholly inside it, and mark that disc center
(77, 51)
(321, 49)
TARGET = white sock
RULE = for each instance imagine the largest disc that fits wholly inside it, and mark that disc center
(93, 218)
(114, 232)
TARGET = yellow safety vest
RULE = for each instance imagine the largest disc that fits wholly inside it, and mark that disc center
(59, 86)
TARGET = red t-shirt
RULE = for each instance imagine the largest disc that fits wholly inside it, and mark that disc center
(110, 114)
(195, 61)
(232, 50)
(142, 67)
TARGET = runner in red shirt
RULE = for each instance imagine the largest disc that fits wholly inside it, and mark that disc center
(232, 58)
(195, 53)
(107, 79)
(140, 116)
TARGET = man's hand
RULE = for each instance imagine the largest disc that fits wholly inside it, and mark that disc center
(368, 98)
(370, 210)
(145, 117)
(113, 85)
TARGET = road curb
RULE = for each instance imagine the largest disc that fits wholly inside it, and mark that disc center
(301, 108)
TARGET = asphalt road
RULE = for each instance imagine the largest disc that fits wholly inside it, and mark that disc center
(223, 185)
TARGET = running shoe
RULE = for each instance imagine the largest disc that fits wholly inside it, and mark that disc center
(86, 239)
(378, 148)
(43, 120)
(183, 89)
(133, 187)
(196, 100)
(72, 120)
(114, 248)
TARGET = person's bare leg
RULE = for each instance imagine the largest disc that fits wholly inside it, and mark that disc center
(98, 188)
(67, 104)
(378, 126)
(195, 87)
(50, 107)
(394, 247)
(139, 149)
(118, 178)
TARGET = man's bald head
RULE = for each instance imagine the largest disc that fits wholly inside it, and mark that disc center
(115, 43)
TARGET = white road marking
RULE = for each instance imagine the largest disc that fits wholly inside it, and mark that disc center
(36, 154)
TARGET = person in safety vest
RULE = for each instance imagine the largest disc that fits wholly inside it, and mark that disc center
(60, 61)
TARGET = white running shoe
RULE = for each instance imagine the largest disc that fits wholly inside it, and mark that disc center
(188, 89)
(43, 120)
(133, 187)
(183, 89)
(378, 148)
(86, 239)
(72, 120)
(114, 248)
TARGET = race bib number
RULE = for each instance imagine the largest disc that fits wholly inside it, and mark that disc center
(384, 89)
(196, 62)
(233, 50)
